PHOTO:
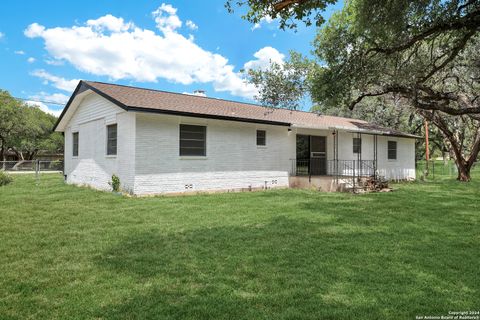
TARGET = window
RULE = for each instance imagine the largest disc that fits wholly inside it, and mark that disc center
(193, 140)
(112, 140)
(392, 150)
(357, 145)
(261, 138)
(75, 144)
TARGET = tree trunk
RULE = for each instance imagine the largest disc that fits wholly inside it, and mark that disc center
(463, 172)
(464, 165)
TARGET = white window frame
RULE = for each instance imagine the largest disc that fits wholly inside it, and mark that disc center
(107, 139)
(204, 155)
(388, 150)
(265, 138)
(77, 134)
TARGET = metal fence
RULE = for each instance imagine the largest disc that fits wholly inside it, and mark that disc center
(32, 166)
(323, 167)
(429, 170)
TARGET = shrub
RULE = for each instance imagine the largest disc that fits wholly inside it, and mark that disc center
(115, 183)
(5, 178)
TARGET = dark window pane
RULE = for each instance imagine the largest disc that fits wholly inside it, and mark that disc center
(303, 147)
(112, 139)
(318, 144)
(75, 144)
(193, 144)
(188, 135)
(357, 145)
(261, 138)
(192, 140)
(192, 152)
(190, 128)
(112, 131)
(392, 150)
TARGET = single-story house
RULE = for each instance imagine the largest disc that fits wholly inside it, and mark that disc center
(161, 142)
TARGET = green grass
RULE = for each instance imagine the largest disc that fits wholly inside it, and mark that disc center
(74, 253)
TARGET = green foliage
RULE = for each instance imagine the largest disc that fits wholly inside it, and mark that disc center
(282, 85)
(286, 11)
(421, 55)
(25, 129)
(12, 123)
(408, 48)
(278, 254)
(5, 178)
(115, 183)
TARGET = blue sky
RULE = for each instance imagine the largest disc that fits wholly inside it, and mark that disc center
(180, 46)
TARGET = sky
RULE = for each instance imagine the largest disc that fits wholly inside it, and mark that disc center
(46, 47)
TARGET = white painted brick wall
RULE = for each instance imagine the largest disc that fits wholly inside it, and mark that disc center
(148, 160)
(93, 167)
(233, 159)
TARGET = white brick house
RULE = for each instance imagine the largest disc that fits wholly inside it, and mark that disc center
(159, 142)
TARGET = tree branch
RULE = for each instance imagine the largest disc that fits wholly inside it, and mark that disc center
(430, 100)
(456, 50)
(279, 6)
(470, 21)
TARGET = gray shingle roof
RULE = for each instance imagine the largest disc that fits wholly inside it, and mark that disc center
(148, 100)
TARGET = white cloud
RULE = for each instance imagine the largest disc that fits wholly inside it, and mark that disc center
(59, 98)
(191, 25)
(54, 62)
(196, 93)
(108, 46)
(31, 60)
(49, 103)
(166, 18)
(57, 82)
(2, 35)
(19, 52)
(34, 30)
(110, 23)
(44, 107)
(264, 57)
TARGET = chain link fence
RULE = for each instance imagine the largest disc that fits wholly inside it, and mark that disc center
(429, 170)
(32, 166)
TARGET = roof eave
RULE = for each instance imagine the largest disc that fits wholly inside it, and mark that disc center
(81, 87)
(206, 116)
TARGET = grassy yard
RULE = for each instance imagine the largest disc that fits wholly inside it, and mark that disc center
(75, 253)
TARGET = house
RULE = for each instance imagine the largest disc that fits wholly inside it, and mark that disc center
(161, 142)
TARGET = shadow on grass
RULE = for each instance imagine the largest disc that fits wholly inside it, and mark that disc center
(281, 269)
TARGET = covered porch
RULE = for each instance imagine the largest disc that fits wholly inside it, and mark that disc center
(323, 162)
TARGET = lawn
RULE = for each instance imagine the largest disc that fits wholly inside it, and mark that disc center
(74, 253)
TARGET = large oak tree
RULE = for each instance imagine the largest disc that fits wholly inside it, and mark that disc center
(423, 52)
(26, 130)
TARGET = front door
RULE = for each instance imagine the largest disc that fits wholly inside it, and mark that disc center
(318, 155)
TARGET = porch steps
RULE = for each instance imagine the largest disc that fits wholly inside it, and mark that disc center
(364, 185)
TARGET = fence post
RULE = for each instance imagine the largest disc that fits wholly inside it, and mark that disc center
(433, 169)
(353, 175)
(37, 169)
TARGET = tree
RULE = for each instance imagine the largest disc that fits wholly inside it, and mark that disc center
(36, 135)
(26, 130)
(284, 84)
(422, 52)
(11, 121)
(286, 11)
